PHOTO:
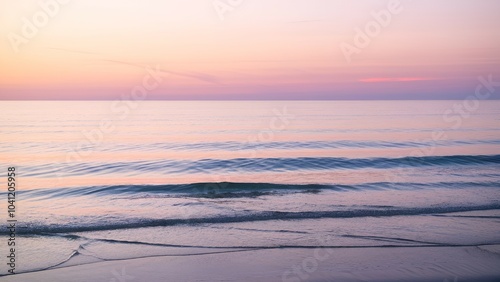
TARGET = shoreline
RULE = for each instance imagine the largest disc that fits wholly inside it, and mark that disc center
(319, 264)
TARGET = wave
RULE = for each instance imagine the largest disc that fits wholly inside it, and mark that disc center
(287, 145)
(237, 190)
(245, 146)
(134, 223)
(255, 165)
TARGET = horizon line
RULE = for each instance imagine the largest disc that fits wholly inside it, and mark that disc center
(228, 100)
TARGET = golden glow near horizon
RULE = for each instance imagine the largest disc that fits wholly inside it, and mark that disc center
(248, 49)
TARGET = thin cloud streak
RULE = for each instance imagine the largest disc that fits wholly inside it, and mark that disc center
(395, 79)
(194, 75)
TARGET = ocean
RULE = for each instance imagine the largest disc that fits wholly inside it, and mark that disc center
(115, 180)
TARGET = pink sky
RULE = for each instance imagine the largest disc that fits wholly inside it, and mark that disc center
(262, 49)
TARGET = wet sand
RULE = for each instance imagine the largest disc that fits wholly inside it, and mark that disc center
(475, 263)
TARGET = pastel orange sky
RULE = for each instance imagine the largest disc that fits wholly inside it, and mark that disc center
(256, 49)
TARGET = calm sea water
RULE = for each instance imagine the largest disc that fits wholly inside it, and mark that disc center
(113, 180)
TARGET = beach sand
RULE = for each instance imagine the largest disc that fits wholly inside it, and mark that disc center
(316, 264)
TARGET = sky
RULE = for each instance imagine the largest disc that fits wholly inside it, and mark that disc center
(247, 49)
